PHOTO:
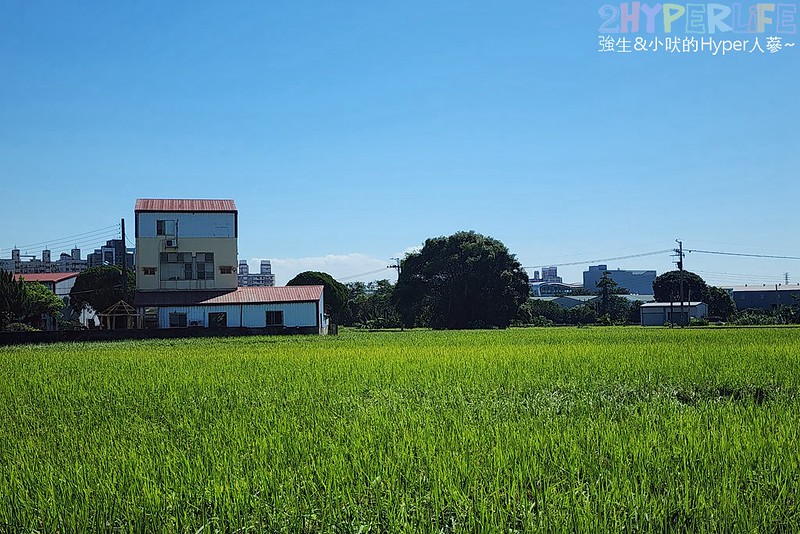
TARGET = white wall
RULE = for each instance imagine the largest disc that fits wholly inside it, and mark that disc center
(247, 315)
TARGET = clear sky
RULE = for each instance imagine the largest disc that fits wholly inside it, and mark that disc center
(349, 132)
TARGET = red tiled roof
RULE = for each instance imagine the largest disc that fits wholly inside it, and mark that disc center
(241, 295)
(45, 277)
(183, 204)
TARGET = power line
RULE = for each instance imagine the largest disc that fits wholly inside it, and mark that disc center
(363, 274)
(767, 256)
(68, 239)
(641, 255)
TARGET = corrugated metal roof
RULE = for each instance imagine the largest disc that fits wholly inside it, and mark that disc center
(183, 204)
(241, 295)
(46, 277)
(771, 288)
(668, 304)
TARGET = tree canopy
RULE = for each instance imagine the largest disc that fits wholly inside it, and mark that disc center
(666, 288)
(42, 301)
(101, 287)
(370, 305)
(466, 280)
(13, 299)
(334, 295)
(26, 302)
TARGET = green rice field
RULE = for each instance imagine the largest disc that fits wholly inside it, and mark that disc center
(520, 430)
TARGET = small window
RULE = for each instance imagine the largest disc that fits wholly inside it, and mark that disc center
(275, 318)
(177, 320)
(149, 271)
(225, 269)
(218, 320)
(165, 227)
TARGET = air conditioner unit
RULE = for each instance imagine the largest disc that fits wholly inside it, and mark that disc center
(171, 243)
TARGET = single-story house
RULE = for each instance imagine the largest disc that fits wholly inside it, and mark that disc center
(277, 309)
(660, 313)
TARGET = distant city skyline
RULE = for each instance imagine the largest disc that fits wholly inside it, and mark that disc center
(348, 134)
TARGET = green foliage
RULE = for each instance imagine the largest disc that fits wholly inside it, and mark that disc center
(101, 287)
(518, 430)
(466, 280)
(13, 299)
(756, 317)
(334, 295)
(25, 302)
(42, 301)
(21, 327)
(720, 303)
(370, 305)
(666, 287)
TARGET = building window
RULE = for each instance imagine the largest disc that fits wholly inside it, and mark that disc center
(177, 320)
(275, 318)
(166, 227)
(218, 320)
(149, 271)
(225, 269)
(185, 266)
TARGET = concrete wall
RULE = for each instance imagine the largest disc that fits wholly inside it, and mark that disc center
(148, 253)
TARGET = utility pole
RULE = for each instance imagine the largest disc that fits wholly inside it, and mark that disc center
(396, 266)
(679, 251)
(786, 278)
(124, 263)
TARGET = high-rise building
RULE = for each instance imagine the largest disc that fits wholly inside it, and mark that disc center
(264, 278)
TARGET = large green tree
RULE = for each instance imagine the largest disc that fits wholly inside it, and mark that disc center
(42, 301)
(334, 293)
(101, 287)
(666, 287)
(466, 280)
(720, 303)
(14, 301)
(370, 305)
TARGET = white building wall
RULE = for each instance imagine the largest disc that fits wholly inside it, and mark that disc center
(247, 315)
(294, 314)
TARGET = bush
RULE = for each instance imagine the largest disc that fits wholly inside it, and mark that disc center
(753, 317)
(541, 320)
(21, 327)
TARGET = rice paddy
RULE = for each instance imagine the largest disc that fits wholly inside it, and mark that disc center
(582, 429)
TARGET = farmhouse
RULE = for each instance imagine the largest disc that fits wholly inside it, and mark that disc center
(278, 309)
(659, 313)
(186, 273)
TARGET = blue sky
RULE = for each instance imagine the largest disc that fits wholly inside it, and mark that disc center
(350, 132)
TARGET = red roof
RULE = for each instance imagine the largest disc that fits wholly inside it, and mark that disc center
(46, 277)
(240, 295)
(183, 204)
